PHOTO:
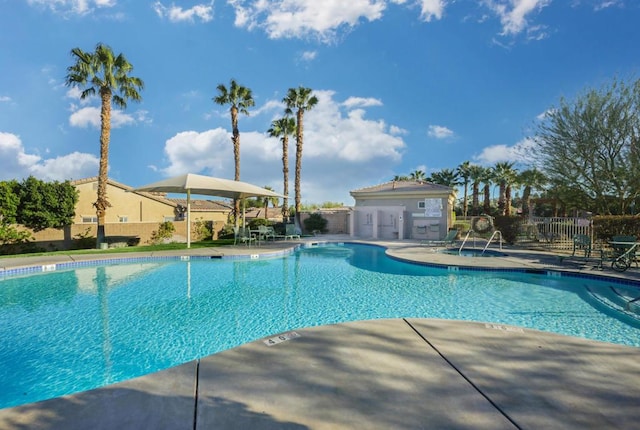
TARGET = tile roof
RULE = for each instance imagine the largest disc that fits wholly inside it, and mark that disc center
(204, 205)
(404, 186)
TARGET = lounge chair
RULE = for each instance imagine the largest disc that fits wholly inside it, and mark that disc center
(449, 239)
(291, 232)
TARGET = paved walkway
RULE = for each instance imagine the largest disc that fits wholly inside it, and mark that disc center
(378, 374)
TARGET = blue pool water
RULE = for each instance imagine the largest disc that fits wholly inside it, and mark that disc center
(72, 330)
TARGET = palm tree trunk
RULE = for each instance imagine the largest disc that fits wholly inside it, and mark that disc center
(487, 198)
(501, 198)
(235, 138)
(102, 203)
(475, 205)
(526, 201)
(299, 141)
(465, 204)
(285, 172)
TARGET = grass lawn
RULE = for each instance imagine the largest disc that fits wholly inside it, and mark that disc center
(140, 248)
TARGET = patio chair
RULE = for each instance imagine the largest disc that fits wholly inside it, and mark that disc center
(266, 232)
(243, 235)
(449, 239)
(582, 242)
(291, 232)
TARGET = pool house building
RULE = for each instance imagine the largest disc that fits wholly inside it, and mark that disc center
(402, 210)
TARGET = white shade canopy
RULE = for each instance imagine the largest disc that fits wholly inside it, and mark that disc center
(191, 183)
(208, 186)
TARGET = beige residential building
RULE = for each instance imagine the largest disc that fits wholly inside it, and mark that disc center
(132, 216)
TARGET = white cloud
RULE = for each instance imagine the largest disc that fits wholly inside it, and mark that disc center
(175, 13)
(605, 4)
(395, 130)
(302, 18)
(439, 132)
(15, 163)
(5, 99)
(352, 102)
(78, 7)
(542, 116)
(518, 153)
(343, 150)
(309, 55)
(513, 13)
(432, 9)
(192, 152)
(90, 117)
(269, 106)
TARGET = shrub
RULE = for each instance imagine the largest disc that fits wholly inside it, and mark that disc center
(315, 222)
(256, 222)
(84, 240)
(165, 231)
(509, 226)
(204, 229)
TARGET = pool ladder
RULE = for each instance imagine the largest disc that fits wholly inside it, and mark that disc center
(495, 233)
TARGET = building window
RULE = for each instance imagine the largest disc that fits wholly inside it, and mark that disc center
(422, 205)
(89, 219)
(123, 219)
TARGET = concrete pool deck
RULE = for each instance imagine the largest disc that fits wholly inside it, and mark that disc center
(399, 373)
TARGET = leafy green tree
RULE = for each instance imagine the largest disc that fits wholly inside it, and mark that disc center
(400, 178)
(591, 145)
(299, 100)
(103, 73)
(46, 204)
(240, 99)
(283, 128)
(9, 201)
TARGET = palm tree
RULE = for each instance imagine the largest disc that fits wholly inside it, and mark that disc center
(401, 178)
(475, 175)
(531, 179)
(283, 128)
(266, 200)
(505, 175)
(299, 100)
(487, 179)
(106, 74)
(446, 177)
(418, 175)
(464, 174)
(240, 99)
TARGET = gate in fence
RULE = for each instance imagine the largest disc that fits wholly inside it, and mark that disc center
(556, 232)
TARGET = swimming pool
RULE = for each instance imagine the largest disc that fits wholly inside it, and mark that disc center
(72, 330)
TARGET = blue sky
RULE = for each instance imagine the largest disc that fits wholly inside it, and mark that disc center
(402, 84)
